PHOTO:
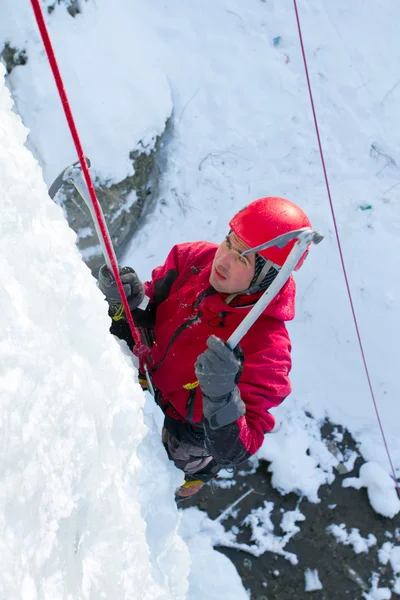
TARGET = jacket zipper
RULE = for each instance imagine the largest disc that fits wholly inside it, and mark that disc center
(176, 334)
(208, 292)
(190, 405)
(192, 395)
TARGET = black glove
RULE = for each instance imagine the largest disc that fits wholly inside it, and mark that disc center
(218, 371)
(133, 287)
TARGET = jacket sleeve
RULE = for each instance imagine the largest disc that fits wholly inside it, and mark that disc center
(157, 290)
(164, 276)
(264, 384)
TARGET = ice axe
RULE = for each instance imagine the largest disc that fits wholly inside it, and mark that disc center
(73, 174)
(305, 237)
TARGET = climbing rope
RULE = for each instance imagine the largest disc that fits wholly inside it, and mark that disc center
(140, 348)
(341, 251)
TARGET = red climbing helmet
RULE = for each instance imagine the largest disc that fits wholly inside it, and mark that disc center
(265, 219)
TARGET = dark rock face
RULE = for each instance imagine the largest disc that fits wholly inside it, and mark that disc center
(12, 57)
(73, 6)
(124, 204)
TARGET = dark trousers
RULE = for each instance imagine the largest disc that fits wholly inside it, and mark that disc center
(185, 446)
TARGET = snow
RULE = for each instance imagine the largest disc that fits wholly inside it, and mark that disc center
(215, 576)
(106, 114)
(312, 580)
(380, 486)
(300, 460)
(353, 538)
(241, 128)
(225, 479)
(262, 532)
(377, 593)
(391, 553)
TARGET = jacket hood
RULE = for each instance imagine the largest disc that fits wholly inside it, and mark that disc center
(282, 306)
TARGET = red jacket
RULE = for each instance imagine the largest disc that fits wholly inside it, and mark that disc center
(188, 311)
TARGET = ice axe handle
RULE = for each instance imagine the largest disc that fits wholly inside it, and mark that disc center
(74, 175)
(304, 238)
(285, 238)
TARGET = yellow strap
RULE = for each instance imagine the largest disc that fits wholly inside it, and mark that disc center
(189, 484)
(119, 313)
(191, 386)
(143, 382)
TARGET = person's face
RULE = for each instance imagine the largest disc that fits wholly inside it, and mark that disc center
(230, 272)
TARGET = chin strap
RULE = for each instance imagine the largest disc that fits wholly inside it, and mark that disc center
(256, 285)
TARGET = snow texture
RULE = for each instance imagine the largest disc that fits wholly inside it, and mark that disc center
(353, 538)
(114, 84)
(391, 553)
(312, 582)
(380, 486)
(376, 592)
(262, 532)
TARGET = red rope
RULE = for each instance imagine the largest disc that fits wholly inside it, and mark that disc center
(140, 349)
(341, 252)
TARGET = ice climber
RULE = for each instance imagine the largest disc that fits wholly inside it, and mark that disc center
(216, 402)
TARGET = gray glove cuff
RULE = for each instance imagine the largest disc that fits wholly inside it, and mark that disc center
(223, 411)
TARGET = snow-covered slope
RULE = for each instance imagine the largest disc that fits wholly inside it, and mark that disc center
(119, 96)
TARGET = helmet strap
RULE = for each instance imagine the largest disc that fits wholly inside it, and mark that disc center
(256, 285)
(268, 264)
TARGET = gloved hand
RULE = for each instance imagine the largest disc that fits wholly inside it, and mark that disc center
(218, 370)
(133, 287)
